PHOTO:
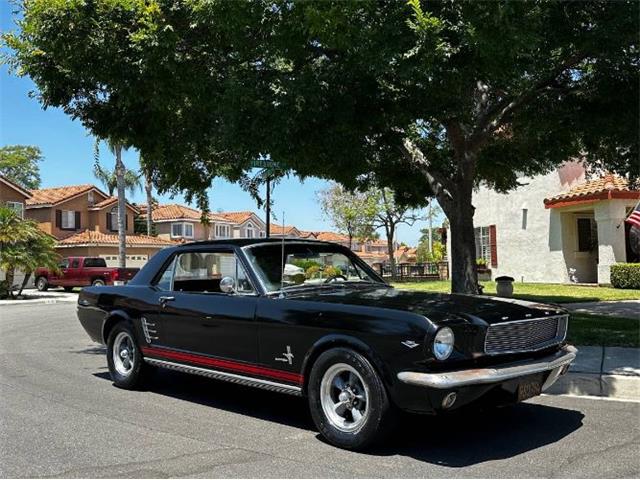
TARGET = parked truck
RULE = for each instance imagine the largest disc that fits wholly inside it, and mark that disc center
(81, 272)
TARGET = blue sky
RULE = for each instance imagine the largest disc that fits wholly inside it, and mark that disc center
(67, 149)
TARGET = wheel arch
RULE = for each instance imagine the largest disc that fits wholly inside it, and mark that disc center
(111, 320)
(332, 341)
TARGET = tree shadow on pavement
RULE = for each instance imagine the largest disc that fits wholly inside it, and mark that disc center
(457, 439)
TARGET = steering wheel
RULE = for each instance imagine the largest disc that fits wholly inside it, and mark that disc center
(333, 278)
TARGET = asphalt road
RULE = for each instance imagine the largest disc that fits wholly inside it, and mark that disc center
(61, 416)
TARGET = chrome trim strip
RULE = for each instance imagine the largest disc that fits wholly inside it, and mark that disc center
(229, 377)
(554, 341)
(478, 376)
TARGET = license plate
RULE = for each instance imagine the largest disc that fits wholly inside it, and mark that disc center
(529, 389)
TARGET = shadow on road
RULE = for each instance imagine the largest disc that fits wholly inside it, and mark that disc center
(458, 439)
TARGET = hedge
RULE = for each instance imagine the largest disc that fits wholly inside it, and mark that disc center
(625, 275)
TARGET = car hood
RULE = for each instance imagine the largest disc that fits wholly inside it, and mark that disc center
(438, 307)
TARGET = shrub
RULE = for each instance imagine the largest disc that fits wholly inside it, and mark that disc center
(625, 275)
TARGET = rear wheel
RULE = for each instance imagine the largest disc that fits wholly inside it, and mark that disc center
(42, 284)
(98, 282)
(348, 402)
(126, 365)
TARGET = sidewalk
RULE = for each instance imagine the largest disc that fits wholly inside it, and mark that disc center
(603, 372)
(621, 308)
(32, 297)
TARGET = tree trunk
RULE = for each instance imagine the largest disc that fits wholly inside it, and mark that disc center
(389, 230)
(122, 235)
(149, 189)
(27, 276)
(9, 277)
(459, 211)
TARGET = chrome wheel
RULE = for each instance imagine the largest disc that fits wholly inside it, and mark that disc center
(344, 397)
(123, 354)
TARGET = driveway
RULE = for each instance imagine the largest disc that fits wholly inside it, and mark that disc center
(60, 415)
(623, 308)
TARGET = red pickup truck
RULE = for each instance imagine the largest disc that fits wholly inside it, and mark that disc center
(80, 272)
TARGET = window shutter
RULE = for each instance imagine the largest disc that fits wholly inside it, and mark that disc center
(126, 222)
(493, 245)
(77, 224)
(58, 218)
(109, 226)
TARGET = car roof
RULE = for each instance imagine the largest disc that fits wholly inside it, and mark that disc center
(244, 242)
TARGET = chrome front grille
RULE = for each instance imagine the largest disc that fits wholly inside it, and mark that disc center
(525, 335)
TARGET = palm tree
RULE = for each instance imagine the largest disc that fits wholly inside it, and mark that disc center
(148, 188)
(23, 246)
(109, 181)
(120, 172)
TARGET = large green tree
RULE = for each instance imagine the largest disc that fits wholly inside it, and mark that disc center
(429, 98)
(19, 163)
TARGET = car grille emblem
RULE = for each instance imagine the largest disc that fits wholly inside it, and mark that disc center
(286, 357)
(410, 344)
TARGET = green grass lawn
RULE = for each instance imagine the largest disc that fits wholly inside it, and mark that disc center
(587, 329)
(540, 292)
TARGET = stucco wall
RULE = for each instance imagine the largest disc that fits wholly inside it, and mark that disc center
(534, 253)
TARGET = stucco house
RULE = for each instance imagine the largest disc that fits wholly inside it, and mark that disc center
(181, 223)
(84, 221)
(13, 195)
(245, 224)
(557, 228)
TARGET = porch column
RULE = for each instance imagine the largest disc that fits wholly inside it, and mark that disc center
(609, 216)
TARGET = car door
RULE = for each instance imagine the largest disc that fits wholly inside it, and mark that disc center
(70, 277)
(56, 278)
(194, 315)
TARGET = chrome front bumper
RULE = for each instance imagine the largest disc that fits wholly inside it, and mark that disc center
(555, 363)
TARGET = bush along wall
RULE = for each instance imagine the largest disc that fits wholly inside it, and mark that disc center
(625, 275)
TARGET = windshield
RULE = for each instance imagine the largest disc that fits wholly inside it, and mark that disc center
(306, 265)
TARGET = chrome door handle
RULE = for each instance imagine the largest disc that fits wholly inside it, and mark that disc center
(164, 299)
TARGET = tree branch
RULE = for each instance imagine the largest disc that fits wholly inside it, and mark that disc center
(493, 117)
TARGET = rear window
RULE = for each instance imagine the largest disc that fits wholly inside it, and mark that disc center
(95, 262)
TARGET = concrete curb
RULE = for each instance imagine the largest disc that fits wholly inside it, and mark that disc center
(611, 372)
(620, 387)
(47, 298)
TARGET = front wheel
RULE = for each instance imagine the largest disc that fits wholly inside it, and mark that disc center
(348, 401)
(126, 365)
(42, 284)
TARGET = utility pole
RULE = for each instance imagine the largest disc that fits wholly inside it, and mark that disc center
(430, 215)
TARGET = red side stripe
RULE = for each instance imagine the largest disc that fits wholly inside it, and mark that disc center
(225, 364)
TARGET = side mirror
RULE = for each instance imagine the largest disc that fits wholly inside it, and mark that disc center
(227, 285)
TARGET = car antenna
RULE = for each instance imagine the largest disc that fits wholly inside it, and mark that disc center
(282, 276)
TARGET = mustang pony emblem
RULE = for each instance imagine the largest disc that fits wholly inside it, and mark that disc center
(410, 344)
(286, 357)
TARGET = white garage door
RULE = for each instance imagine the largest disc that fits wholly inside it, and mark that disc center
(133, 261)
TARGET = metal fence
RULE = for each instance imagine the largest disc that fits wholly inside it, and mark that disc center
(409, 272)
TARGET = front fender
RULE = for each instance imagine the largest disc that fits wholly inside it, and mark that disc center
(330, 341)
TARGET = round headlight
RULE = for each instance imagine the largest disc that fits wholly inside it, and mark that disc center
(443, 343)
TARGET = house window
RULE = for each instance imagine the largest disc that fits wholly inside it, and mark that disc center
(250, 231)
(68, 220)
(17, 207)
(223, 231)
(483, 244)
(184, 230)
(262, 233)
(587, 234)
(113, 225)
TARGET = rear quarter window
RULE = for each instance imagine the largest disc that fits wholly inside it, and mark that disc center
(95, 262)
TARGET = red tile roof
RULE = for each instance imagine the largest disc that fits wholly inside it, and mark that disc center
(331, 237)
(53, 196)
(175, 212)
(238, 217)
(606, 187)
(91, 237)
(283, 230)
(111, 201)
(15, 186)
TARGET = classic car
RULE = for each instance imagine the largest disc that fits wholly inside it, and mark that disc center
(311, 318)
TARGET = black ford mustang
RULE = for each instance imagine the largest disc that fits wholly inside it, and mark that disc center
(310, 318)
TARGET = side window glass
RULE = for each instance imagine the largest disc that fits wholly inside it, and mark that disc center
(75, 263)
(202, 272)
(164, 282)
(64, 263)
